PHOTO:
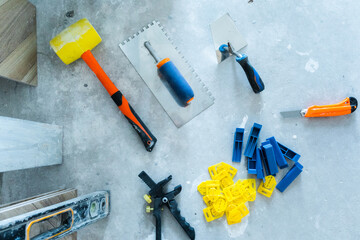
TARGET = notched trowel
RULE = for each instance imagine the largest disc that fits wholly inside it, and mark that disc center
(228, 41)
(142, 54)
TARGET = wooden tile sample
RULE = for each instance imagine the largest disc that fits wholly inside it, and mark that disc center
(18, 60)
(6, 205)
(26, 144)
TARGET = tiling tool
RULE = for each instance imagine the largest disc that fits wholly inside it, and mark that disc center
(75, 214)
(228, 41)
(253, 77)
(172, 75)
(347, 106)
(75, 42)
(157, 195)
(290, 176)
(229, 198)
(143, 62)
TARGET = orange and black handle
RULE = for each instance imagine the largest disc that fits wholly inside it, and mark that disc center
(146, 136)
(344, 107)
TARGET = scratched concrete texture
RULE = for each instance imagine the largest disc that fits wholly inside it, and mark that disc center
(306, 53)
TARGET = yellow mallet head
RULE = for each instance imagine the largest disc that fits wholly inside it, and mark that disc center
(73, 41)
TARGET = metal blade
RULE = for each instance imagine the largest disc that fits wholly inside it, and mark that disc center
(290, 114)
(231, 51)
(224, 30)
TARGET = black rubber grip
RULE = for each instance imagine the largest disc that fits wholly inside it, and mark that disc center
(353, 104)
(253, 77)
(148, 139)
(157, 215)
(190, 231)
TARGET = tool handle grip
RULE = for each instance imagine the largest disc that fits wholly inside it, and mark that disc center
(177, 82)
(146, 136)
(190, 231)
(157, 216)
(347, 106)
(253, 77)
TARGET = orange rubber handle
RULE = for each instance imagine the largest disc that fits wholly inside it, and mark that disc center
(146, 136)
(344, 107)
(99, 72)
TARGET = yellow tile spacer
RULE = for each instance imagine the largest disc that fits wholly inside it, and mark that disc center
(228, 193)
(228, 168)
(268, 187)
(235, 194)
(218, 168)
(226, 181)
(249, 183)
(238, 200)
(204, 186)
(213, 190)
(220, 175)
(237, 189)
(249, 195)
(235, 213)
(211, 215)
(222, 195)
(210, 199)
(246, 188)
(220, 205)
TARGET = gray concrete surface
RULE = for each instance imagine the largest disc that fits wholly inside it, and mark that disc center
(306, 52)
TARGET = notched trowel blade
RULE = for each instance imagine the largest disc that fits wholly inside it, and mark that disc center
(145, 65)
(224, 30)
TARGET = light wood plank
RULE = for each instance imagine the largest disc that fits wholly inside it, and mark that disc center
(7, 205)
(26, 144)
(19, 204)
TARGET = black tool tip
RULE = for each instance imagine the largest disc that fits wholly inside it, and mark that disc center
(353, 104)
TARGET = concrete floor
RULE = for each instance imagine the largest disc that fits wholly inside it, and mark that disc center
(306, 53)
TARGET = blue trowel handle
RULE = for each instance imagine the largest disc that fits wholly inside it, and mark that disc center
(176, 81)
(251, 74)
(224, 52)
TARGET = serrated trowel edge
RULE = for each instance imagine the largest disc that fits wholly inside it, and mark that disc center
(176, 48)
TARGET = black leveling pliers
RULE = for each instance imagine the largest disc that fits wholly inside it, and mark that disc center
(160, 198)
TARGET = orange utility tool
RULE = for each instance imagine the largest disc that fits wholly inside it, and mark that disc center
(347, 106)
(75, 42)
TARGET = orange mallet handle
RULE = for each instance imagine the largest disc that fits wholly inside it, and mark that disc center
(344, 107)
(146, 136)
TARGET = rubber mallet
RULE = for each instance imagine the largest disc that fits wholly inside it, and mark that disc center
(75, 42)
